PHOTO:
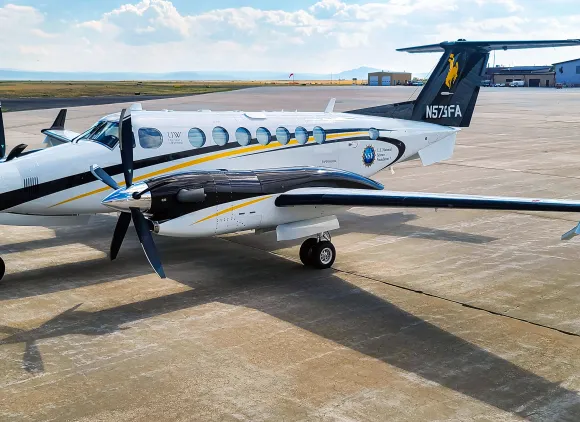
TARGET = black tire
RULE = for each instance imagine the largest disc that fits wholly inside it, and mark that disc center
(323, 255)
(2, 268)
(306, 251)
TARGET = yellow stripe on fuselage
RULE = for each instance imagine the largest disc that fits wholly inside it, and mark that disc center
(216, 156)
(233, 208)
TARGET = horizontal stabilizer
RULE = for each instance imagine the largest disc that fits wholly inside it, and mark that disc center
(59, 136)
(489, 45)
(572, 233)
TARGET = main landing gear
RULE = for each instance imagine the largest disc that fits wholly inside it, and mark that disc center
(318, 252)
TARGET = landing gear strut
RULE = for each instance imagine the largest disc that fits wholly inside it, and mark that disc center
(318, 252)
(2, 268)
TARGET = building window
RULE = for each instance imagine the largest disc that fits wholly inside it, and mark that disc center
(319, 135)
(577, 70)
(301, 135)
(373, 134)
(283, 135)
(150, 138)
(196, 137)
(220, 136)
(263, 135)
(243, 136)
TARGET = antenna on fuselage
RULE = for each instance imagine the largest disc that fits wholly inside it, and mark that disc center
(330, 106)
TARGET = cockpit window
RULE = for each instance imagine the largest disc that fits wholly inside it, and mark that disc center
(105, 133)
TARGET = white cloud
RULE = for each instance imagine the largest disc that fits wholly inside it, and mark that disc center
(330, 35)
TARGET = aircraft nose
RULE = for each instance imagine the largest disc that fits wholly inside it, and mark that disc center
(125, 199)
(10, 177)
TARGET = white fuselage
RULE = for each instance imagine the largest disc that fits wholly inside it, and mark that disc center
(61, 184)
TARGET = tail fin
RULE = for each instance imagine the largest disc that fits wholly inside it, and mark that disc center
(451, 92)
(59, 121)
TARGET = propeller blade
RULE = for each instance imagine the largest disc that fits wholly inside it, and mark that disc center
(15, 152)
(147, 242)
(126, 145)
(119, 234)
(104, 177)
(2, 135)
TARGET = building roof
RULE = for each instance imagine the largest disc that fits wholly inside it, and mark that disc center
(524, 73)
(389, 73)
(567, 61)
(518, 69)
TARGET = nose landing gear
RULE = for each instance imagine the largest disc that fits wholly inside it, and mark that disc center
(318, 252)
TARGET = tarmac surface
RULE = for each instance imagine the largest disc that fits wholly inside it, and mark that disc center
(441, 316)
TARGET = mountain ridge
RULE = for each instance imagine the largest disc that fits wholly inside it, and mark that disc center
(32, 75)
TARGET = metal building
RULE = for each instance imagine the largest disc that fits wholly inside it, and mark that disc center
(389, 78)
(568, 73)
(532, 76)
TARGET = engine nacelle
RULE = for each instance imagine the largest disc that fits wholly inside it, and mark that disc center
(179, 194)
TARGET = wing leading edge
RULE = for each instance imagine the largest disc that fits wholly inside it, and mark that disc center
(355, 197)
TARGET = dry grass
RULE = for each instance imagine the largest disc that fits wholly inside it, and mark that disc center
(20, 89)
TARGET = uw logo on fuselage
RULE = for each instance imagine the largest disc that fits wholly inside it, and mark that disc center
(453, 72)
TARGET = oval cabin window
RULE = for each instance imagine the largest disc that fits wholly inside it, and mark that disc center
(150, 138)
(319, 135)
(243, 136)
(263, 135)
(196, 137)
(283, 135)
(301, 135)
(220, 136)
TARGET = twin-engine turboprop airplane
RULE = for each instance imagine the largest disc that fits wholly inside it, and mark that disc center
(314, 164)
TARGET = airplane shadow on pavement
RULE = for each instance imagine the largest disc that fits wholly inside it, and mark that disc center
(319, 302)
(98, 234)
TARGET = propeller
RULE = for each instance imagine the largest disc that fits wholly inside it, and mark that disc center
(2, 135)
(142, 226)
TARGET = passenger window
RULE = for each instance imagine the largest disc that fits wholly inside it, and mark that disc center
(196, 137)
(243, 136)
(301, 135)
(263, 135)
(319, 135)
(150, 138)
(373, 134)
(220, 136)
(283, 135)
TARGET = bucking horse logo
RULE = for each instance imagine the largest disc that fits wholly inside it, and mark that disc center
(453, 71)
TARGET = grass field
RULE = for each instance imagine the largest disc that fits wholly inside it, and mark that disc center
(18, 89)
(28, 89)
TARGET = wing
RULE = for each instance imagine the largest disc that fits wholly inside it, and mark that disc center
(358, 197)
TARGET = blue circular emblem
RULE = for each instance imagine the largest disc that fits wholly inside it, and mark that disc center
(369, 156)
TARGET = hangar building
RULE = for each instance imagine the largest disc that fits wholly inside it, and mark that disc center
(568, 73)
(389, 78)
(533, 76)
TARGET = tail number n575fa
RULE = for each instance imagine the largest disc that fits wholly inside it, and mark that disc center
(441, 111)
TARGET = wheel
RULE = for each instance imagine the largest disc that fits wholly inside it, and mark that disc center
(323, 255)
(2, 268)
(306, 251)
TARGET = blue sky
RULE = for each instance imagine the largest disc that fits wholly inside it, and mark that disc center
(319, 36)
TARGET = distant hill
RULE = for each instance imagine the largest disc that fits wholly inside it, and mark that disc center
(27, 75)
